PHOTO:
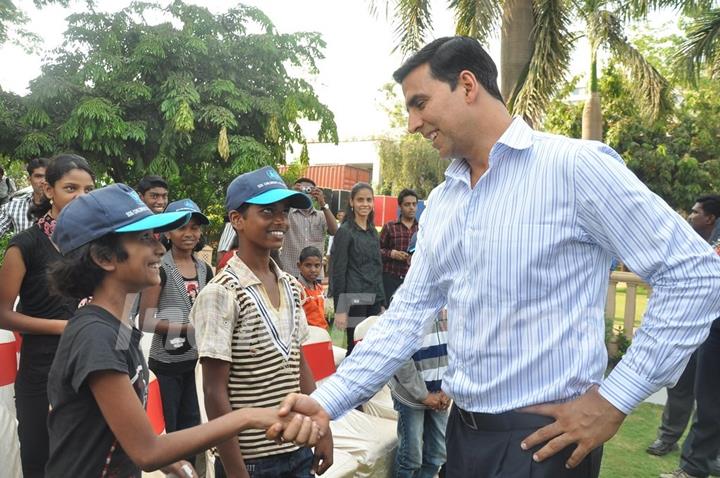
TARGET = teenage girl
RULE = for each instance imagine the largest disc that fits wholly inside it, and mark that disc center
(40, 316)
(356, 265)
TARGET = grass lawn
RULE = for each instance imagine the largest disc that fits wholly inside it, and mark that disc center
(624, 455)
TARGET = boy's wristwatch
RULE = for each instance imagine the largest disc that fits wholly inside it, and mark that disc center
(326, 206)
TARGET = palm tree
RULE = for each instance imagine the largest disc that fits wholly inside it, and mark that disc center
(605, 29)
(702, 46)
(537, 42)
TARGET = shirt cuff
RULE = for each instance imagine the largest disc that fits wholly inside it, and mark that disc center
(625, 389)
(330, 395)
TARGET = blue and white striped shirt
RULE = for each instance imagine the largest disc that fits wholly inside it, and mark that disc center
(522, 262)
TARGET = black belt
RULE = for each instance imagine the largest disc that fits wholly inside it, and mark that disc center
(499, 422)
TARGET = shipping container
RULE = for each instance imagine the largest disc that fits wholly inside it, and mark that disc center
(337, 176)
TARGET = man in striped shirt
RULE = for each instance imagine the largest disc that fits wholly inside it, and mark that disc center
(14, 214)
(517, 242)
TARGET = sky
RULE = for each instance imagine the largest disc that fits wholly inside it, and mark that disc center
(358, 57)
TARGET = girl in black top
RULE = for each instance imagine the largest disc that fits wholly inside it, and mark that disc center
(40, 316)
(356, 265)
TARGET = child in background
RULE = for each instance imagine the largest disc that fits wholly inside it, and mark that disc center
(164, 310)
(97, 386)
(40, 316)
(310, 266)
(249, 325)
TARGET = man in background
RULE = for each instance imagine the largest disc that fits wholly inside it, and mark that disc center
(307, 227)
(15, 215)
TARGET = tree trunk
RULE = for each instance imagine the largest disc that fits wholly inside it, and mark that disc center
(592, 127)
(516, 45)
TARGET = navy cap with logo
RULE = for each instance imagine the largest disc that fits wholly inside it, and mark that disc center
(114, 208)
(263, 186)
(188, 205)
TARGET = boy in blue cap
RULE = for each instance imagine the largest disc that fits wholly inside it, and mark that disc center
(164, 310)
(249, 326)
(97, 387)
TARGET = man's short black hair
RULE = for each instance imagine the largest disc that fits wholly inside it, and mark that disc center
(149, 182)
(448, 56)
(35, 163)
(305, 180)
(710, 204)
(405, 193)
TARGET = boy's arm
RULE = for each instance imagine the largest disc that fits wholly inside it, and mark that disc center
(217, 403)
(409, 377)
(307, 382)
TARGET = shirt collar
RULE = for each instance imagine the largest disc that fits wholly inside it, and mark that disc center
(518, 136)
(245, 276)
(313, 211)
(399, 221)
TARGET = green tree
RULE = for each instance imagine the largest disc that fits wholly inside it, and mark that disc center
(197, 98)
(406, 160)
(677, 156)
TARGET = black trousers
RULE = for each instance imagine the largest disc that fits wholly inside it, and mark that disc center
(356, 314)
(390, 285)
(703, 441)
(31, 404)
(679, 405)
(488, 446)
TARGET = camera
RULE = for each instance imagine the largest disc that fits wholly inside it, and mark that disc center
(307, 189)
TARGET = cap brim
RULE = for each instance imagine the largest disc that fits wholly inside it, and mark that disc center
(202, 218)
(296, 199)
(161, 222)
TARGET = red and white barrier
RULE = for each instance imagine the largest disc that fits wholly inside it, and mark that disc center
(9, 445)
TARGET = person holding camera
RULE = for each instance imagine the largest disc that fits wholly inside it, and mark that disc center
(307, 227)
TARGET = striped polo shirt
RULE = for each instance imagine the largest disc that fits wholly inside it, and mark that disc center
(235, 322)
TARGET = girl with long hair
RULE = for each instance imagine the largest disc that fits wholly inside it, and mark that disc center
(40, 316)
(356, 265)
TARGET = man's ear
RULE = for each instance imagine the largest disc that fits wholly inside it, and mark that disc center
(469, 84)
(103, 261)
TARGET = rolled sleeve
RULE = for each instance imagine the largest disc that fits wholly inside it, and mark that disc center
(214, 315)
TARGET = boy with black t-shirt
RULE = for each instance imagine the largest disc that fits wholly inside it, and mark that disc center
(98, 381)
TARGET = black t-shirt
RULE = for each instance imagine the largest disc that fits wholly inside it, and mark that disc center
(35, 298)
(81, 442)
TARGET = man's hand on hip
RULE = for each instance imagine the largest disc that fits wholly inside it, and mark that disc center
(588, 421)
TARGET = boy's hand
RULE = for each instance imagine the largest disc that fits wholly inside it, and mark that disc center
(340, 321)
(180, 469)
(323, 458)
(293, 427)
(399, 255)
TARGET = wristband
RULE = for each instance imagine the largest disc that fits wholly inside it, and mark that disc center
(326, 206)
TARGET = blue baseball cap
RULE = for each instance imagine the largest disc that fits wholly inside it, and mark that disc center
(114, 208)
(188, 205)
(263, 186)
